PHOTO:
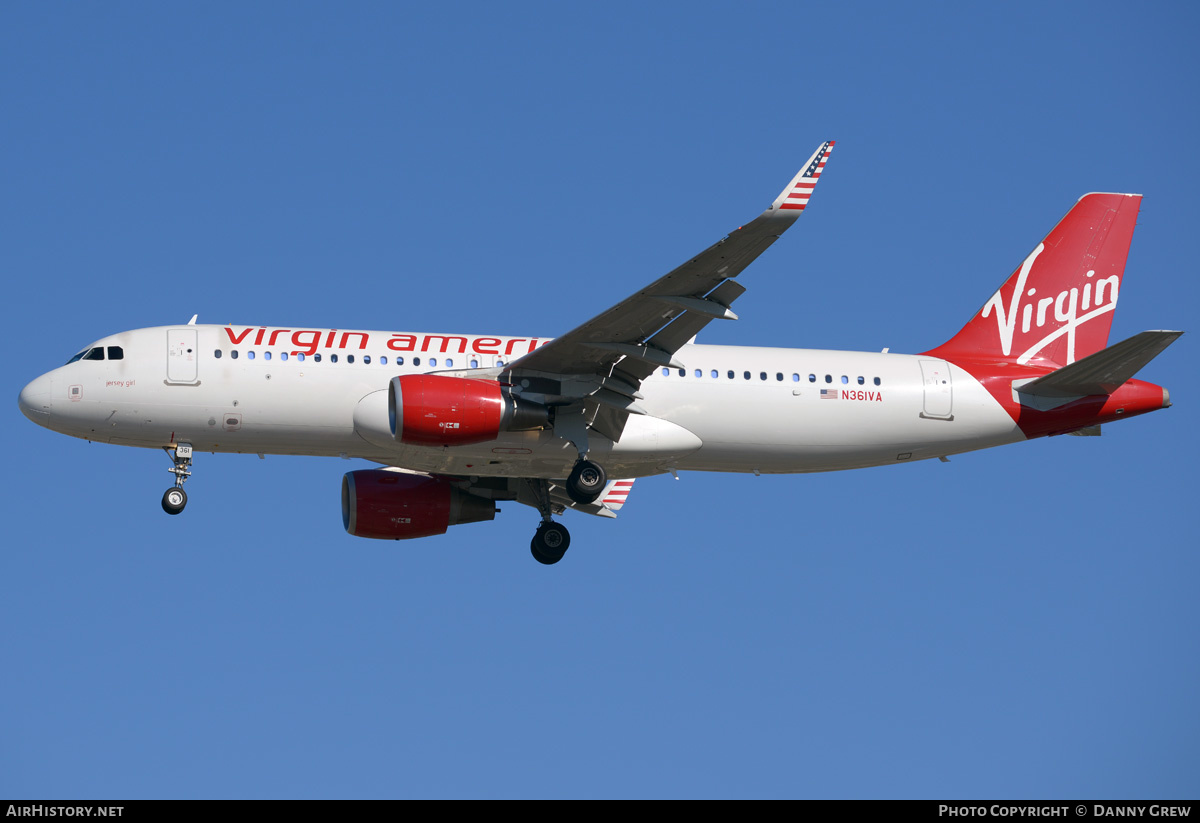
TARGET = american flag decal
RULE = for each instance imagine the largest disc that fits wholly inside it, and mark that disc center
(616, 493)
(796, 196)
(829, 394)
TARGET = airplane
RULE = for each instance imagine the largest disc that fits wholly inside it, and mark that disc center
(461, 422)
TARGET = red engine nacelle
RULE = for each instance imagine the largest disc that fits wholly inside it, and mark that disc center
(436, 410)
(396, 506)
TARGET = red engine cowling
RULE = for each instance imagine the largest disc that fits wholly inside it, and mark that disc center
(436, 410)
(397, 506)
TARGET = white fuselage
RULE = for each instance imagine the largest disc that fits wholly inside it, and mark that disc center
(324, 392)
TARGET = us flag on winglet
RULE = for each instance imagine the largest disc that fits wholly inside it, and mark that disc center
(616, 494)
(797, 198)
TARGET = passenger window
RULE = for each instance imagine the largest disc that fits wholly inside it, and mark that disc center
(683, 372)
(699, 373)
(383, 360)
(779, 376)
(250, 355)
(433, 361)
(399, 361)
(349, 358)
(367, 359)
(217, 354)
(94, 354)
(876, 381)
(666, 372)
(812, 378)
(762, 375)
(795, 378)
(416, 361)
(449, 363)
(829, 378)
(317, 357)
(746, 375)
(474, 363)
(845, 379)
(116, 353)
(861, 380)
(233, 355)
(731, 374)
(715, 374)
(333, 358)
(266, 355)
(300, 356)
(283, 355)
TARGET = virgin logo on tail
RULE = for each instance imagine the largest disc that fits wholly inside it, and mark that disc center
(1057, 308)
(1036, 312)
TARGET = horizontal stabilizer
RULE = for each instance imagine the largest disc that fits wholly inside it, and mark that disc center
(1106, 370)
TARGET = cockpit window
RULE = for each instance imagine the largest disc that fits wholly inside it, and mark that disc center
(96, 353)
(116, 353)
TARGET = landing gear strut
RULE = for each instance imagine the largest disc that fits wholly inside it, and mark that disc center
(175, 498)
(586, 482)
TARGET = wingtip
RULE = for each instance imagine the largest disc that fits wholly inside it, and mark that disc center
(794, 198)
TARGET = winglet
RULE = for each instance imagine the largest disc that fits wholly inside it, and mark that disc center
(616, 493)
(795, 197)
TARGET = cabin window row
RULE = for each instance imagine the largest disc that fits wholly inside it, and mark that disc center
(731, 374)
(366, 359)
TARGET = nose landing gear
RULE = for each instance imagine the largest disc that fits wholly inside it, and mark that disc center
(175, 498)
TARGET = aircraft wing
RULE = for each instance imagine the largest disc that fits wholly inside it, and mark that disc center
(523, 491)
(619, 347)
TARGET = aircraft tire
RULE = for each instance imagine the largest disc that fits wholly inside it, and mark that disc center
(539, 557)
(173, 500)
(586, 482)
(550, 543)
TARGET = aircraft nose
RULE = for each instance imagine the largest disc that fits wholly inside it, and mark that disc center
(35, 400)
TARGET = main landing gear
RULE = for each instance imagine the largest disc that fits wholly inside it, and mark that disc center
(586, 481)
(584, 485)
(175, 498)
(551, 540)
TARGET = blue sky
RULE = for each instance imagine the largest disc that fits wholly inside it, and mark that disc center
(1019, 623)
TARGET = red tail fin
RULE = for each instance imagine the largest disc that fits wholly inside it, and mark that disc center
(1057, 307)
